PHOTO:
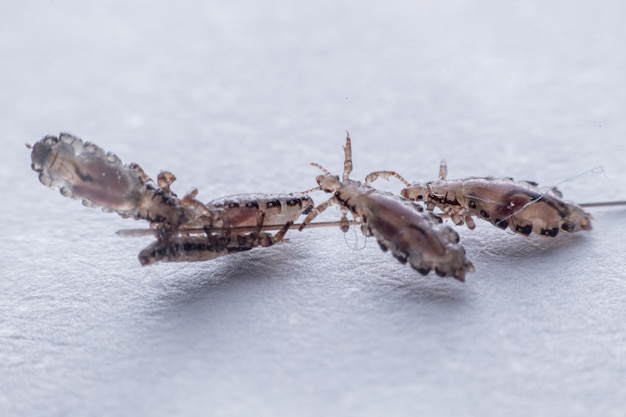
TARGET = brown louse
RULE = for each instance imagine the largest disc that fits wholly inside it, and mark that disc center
(187, 229)
(411, 235)
(518, 205)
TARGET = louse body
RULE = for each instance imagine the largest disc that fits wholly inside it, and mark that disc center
(187, 230)
(207, 247)
(410, 234)
(242, 210)
(518, 205)
(82, 170)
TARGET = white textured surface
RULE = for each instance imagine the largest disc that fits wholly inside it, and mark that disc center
(239, 98)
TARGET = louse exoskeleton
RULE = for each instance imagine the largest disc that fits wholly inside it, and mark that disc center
(236, 225)
(520, 206)
(83, 170)
(412, 235)
(241, 210)
(209, 246)
(186, 229)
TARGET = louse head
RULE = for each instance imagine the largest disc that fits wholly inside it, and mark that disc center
(329, 183)
(416, 192)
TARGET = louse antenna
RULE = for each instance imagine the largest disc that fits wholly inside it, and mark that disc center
(324, 170)
(318, 188)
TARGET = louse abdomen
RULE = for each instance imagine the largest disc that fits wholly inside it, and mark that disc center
(523, 207)
(277, 209)
(207, 247)
(185, 249)
(84, 171)
(411, 236)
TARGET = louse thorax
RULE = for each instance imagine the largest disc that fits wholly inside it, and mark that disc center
(435, 193)
(350, 189)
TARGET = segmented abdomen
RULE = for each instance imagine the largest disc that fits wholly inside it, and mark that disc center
(521, 206)
(189, 249)
(412, 236)
(82, 170)
(244, 209)
(208, 247)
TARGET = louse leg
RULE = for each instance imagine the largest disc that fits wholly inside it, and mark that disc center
(266, 239)
(373, 176)
(145, 178)
(455, 217)
(344, 224)
(198, 208)
(469, 221)
(165, 179)
(317, 210)
(459, 216)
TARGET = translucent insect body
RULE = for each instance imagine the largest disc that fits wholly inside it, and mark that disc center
(187, 230)
(411, 235)
(519, 205)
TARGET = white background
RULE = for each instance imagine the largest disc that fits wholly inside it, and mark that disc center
(240, 98)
